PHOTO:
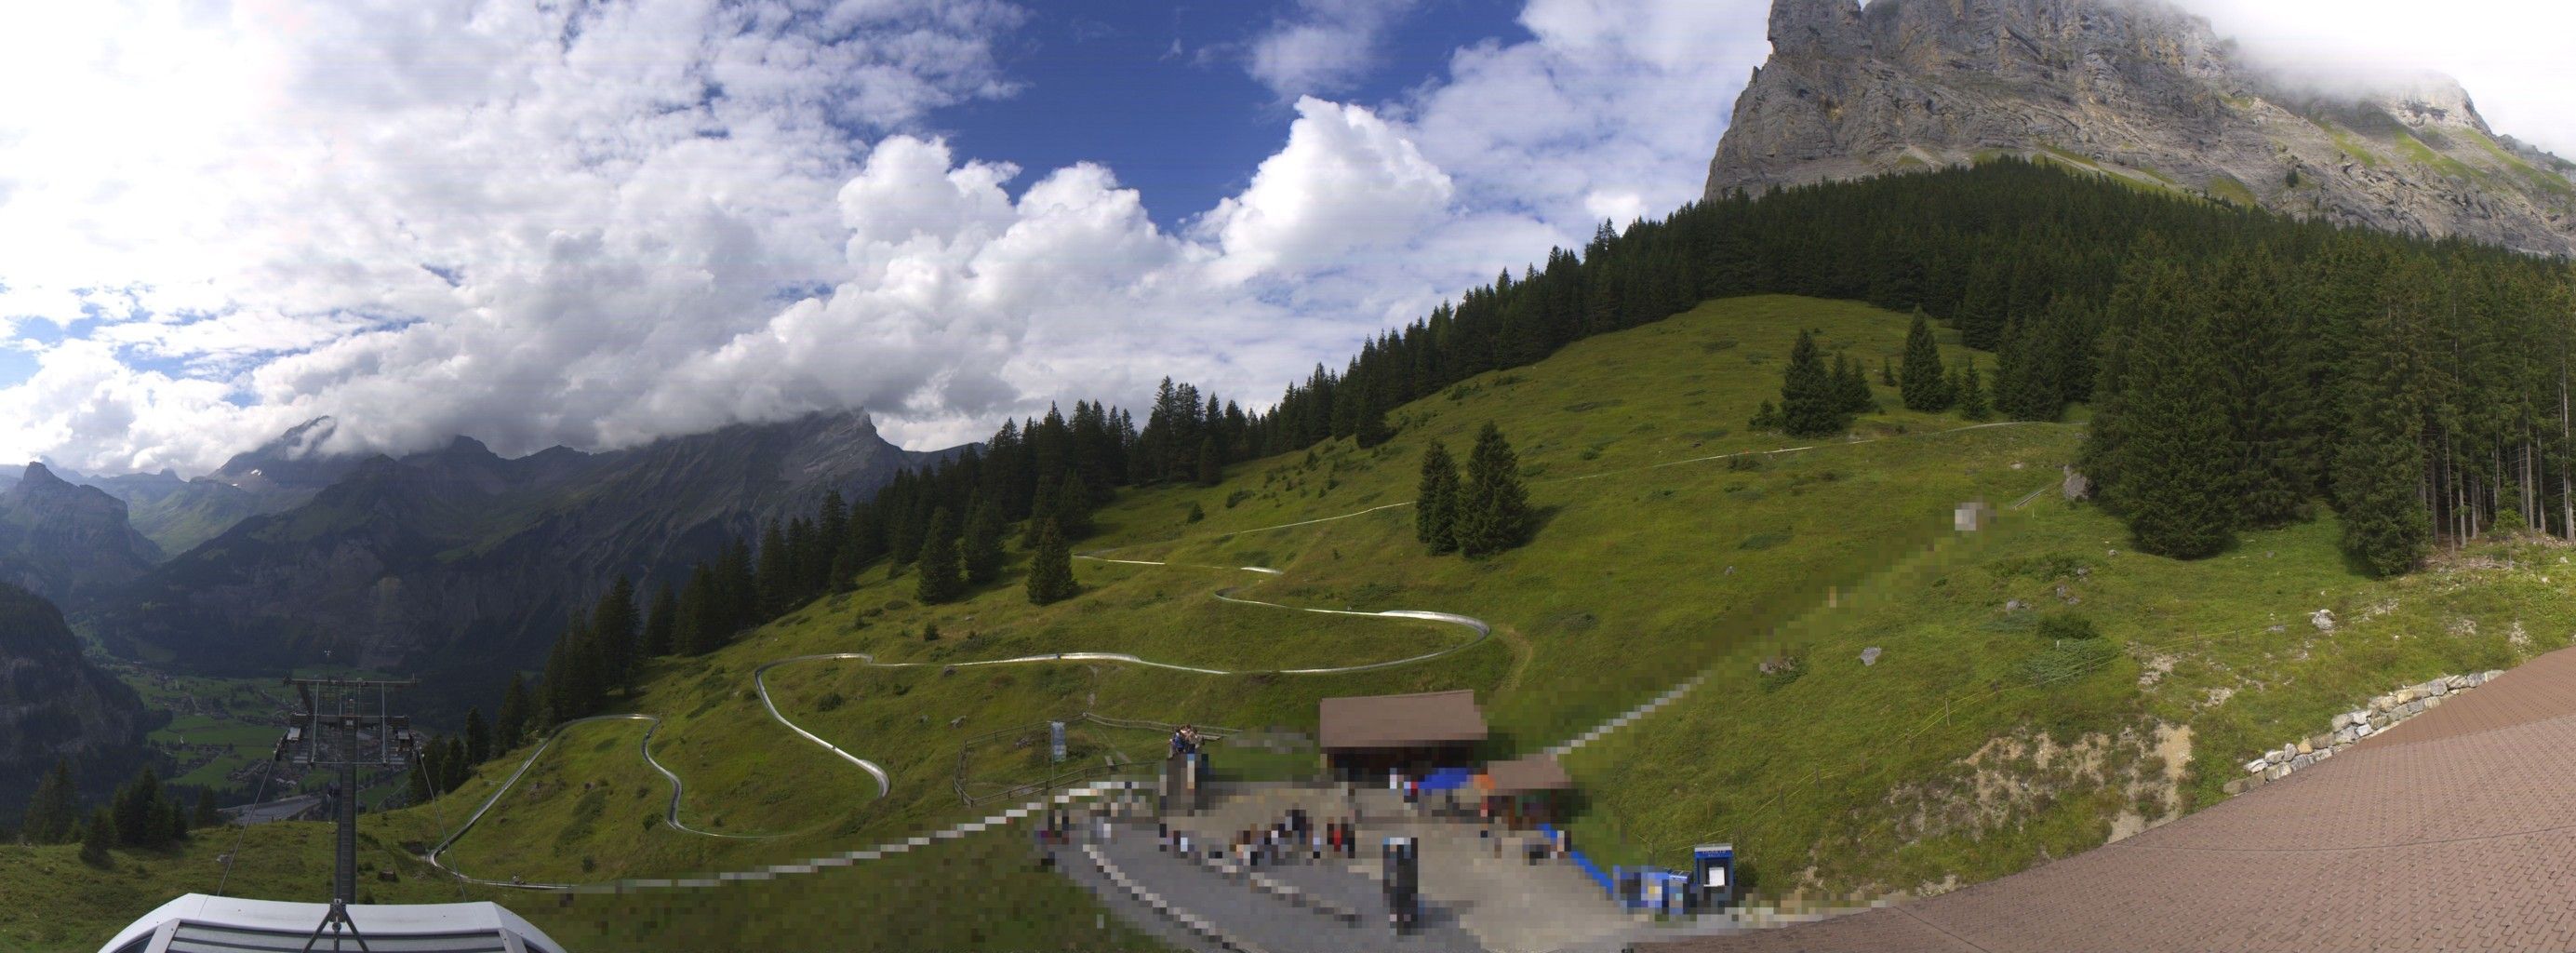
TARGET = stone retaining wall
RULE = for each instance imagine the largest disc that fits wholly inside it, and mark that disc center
(2383, 712)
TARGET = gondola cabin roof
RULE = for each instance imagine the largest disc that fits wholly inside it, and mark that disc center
(197, 923)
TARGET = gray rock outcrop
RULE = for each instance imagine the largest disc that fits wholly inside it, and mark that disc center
(2136, 89)
(66, 542)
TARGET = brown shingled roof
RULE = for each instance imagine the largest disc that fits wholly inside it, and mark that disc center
(1401, 721)
(1538, 772)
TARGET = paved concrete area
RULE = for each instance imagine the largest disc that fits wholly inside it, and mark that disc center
(1263, 921)
(1476, 899)
(2455, 830)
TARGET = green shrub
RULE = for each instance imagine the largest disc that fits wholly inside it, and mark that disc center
(1780, 670)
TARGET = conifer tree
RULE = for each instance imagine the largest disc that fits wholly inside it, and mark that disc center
(1041, 511)
(772, 577)
(1886, 373)
(574, 675)
(1073, 509)
(1051, 569)
(1493, 507)
(1972, 394)
(2379, 456)
(1372, 432)
(53, 815)
(1767, 418)
(2175, 487)
(418, 789)
(97, 836)
(2027, 385)
(207, 814)
(1925, 386)
(456, 767)
(702, 627)
(737, 589)
(1211, 468)
(942, 572)
(613, 625)
(983, 548)
(478, 737)
(904, 538)
(1809, 404)
(510, 725)
(1851, 388)
(1435, 509)
(142, 817)
(661, 626)
(433, 766)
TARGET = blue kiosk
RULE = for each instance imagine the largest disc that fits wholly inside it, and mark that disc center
(1713, 876)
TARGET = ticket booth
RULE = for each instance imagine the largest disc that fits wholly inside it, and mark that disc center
(1713, 876)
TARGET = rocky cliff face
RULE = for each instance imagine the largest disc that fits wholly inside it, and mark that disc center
(178, 514)
(2134, 88)
(54, 704)
(67, 542)
(460, 561)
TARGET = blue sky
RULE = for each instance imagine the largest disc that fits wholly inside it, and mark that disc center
(1160, 94)
(434, 217)
(428, 218)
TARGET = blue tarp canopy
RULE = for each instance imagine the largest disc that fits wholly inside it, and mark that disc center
(1448, 779)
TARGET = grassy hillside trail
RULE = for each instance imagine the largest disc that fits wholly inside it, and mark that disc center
(1669, 542)
(1481, 629)
(1690, 626)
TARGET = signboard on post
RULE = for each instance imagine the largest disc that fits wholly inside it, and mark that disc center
(1055, 739)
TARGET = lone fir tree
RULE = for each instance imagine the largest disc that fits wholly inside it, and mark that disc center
(1924, 385)
(1051, 569)
(1809, 403)
(1493, 506)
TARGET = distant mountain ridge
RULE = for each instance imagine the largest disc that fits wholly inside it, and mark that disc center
(459, 560)
(67, 542)
(2135, 88)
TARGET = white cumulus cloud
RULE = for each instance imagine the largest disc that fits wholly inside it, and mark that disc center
(2512, 55)
(599, 226)
(1323, 46)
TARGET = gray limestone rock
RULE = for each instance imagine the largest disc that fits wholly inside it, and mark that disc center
(2133, 88)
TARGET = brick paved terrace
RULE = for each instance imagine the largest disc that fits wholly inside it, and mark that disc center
(2455, 830)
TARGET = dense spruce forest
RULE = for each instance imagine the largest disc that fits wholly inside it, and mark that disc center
(2243, 368)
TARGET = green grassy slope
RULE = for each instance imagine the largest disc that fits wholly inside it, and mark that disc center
(1670, 543)
(1861, 779)
(54, 902)
(1652, 561)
